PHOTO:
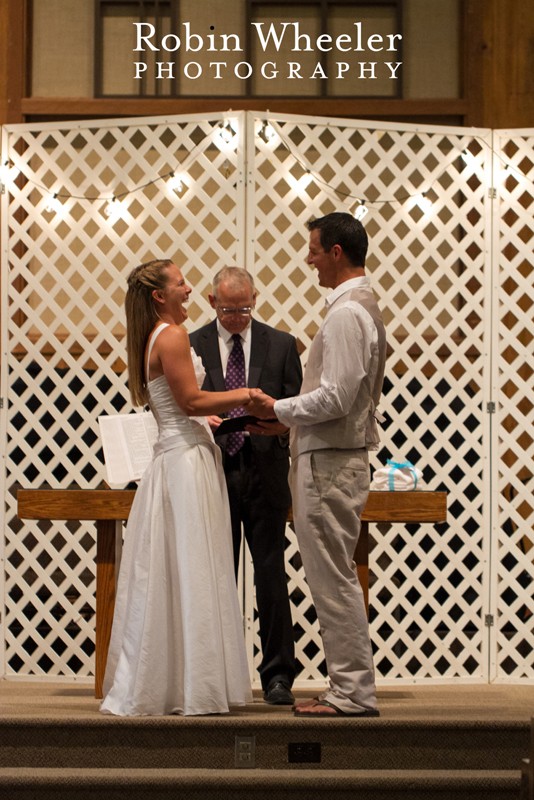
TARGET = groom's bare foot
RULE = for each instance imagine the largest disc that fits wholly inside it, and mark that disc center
(306, 703)
(316, 709)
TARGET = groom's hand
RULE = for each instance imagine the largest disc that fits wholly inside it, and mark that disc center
(261, 405)
(268, 428)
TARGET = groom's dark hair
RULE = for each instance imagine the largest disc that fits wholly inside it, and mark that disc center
(346, 231)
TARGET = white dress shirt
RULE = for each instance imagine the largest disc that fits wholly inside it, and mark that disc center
(344, 366)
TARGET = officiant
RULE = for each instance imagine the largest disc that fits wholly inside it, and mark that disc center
(237, 351)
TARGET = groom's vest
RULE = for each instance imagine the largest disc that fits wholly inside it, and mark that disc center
(358, 428)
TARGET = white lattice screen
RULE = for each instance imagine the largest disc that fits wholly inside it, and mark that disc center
(63, 326)
(63, 287)
(428, 269)
(514, 512)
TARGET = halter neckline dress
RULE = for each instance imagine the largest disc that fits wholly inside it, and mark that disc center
(177, 644)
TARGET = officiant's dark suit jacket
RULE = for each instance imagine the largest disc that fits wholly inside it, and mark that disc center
(257, 485)
(274, 368)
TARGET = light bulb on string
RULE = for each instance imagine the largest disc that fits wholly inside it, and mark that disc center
(268, 131)
(4, 172)
(54, 205)
(8, 171)
(304, 180)
(424, 203)
(175, 183)
(469, 159)
(225, 132)
(114, 209)
(361, 211)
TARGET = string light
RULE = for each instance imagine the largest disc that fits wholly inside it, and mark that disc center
(226, 133)
(505, 173)
(54, 205)
(304, 180)
(309, 175)
(469, 158)
(424, 203)
(361, 211)
(268, 131)
(175, 183)
(8, 171)
(114, 209)
(419, 198)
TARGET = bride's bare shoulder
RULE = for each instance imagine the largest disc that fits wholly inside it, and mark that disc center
(173, 336)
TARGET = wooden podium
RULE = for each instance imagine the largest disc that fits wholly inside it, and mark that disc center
(109, 507)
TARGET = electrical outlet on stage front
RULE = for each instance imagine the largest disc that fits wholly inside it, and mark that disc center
(245, 752)
(304, 752)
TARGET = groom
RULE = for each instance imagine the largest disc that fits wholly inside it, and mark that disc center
(237, 350)
(332, 428)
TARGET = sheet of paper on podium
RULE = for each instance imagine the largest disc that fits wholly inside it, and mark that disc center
(127, 442)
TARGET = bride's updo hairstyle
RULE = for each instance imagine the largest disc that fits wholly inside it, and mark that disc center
(141, 317)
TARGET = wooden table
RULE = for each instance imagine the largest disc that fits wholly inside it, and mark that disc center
(395, 507)
(109, 507)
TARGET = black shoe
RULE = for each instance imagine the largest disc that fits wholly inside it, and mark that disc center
(278, 693)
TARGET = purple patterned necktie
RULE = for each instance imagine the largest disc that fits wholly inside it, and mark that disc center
(236, 378)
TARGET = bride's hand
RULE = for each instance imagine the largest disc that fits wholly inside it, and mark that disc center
(261, 405)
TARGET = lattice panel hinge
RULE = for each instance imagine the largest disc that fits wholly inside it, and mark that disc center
(492, 193)
(490, 407)
(489, 620)
(1, 402)
(2, 188)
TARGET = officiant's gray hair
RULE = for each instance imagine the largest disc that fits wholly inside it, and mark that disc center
(235, 275)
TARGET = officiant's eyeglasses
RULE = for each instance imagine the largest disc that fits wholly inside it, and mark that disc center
(243, 312)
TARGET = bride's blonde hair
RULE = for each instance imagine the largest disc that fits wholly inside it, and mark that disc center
(141, 317)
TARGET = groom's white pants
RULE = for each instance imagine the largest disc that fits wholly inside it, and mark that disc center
(329, 490)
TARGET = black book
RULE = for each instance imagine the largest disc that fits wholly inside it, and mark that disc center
(235, 424)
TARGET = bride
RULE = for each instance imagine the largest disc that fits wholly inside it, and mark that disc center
(177, 643)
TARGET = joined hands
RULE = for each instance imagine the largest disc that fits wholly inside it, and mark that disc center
(262, 406)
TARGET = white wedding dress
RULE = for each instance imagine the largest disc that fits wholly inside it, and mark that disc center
(177, 644)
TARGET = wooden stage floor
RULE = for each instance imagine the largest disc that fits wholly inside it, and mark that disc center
(455, 703)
